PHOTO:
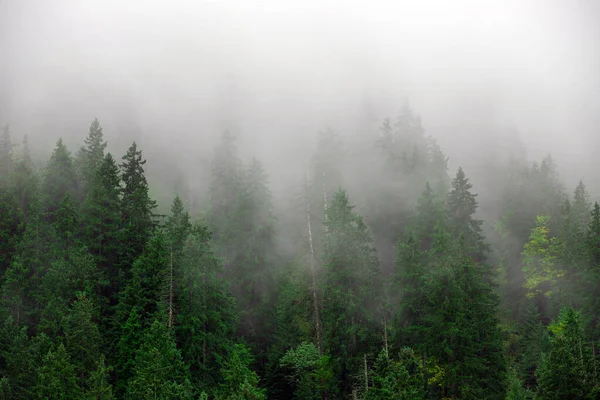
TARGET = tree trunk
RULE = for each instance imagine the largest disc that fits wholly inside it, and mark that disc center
(171, 291)
(313, 261)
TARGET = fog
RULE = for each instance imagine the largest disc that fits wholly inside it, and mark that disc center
(172, 75)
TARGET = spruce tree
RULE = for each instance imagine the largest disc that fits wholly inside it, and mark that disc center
(137, 217)
(351, 287)
(462, 205)
(57, 378)
(159, 372)
(91, 157)
(206, 318)
(60, 179)
(82, 338)
(566, 371)
(98, 384)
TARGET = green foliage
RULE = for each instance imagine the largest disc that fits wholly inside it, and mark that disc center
(137, 217)
(307, 371)
(98, 384)
(57, 378)
(351, 286)
(206, 319)
(60, 179)
(401, 379)
(540, 259)
(567, 371)
(159, 372)
(239, 381)
(82, 337)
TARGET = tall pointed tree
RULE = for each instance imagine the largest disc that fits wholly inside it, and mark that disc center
(137, 216)
(60, 179)
(462, 205)
(351, 287)
(159, 371)
(206, 319)
(91, 157)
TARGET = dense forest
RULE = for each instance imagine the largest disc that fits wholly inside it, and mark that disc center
(377, 278)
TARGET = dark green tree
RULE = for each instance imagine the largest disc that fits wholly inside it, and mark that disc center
(60, 179)
(57, 378)
(462, 205)
(567, 370)
(159, 371)
(91, 157)
(82, 338)
(351, 288)
(137, 216)
(99, 387)
(206, 320)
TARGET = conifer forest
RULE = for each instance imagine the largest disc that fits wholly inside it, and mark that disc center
(311, 200)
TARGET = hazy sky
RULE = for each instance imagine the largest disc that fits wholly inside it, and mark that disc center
(178, 72)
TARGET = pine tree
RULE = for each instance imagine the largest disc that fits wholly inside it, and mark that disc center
(57, 379)
(398, 380)
(224, 197)
(462, 205)
(253, 274)
(206, 319)
(178, 228)
(6, 156)
(461, 331)
(530, 345)
(159, 372)
(25, 184)
(82, 338)
(239, 381)
(351, 287)
(566, 372)
(60, 179)
(147, 288)
(35, 253)
(98, 384)
(137, 218)
(66, 224)
(101, 215)
(91, 157)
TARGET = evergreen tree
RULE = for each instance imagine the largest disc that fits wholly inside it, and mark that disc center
(206, 319)
(567, 371)
(352, 289)
(178, 228)
(399, 380)
(462, 335)
(462, 205)
(101, 216)
(25, 184)
(530, 345)
(60, 179)
(239, 381)
(6, 156)
(137, 218)
(159, 372)
(224, 197)
(57, 378)
(253, 274)
(98, 384)
(82, 338)
(91, 157)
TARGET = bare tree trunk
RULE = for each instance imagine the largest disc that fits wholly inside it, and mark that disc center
(313, 261)
(171, 291)
(385, 336)
(594, 360)
(366, 374)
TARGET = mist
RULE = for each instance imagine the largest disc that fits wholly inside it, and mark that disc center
(331, 177)
(173, 75)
